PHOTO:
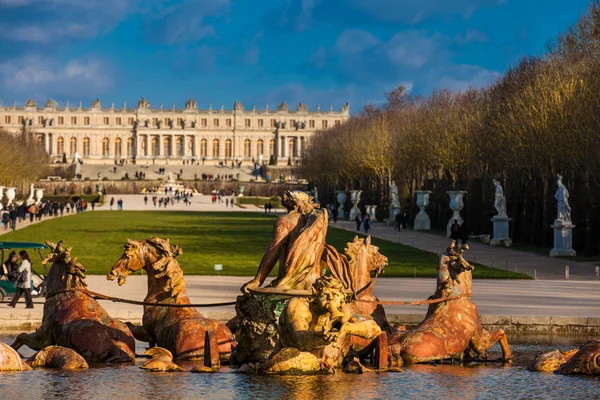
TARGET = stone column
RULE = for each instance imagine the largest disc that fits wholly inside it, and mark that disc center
(47, 143)
(422, 221)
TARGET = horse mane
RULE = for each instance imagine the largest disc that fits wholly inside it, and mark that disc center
(72, 272)
(167, 266)
(344, 266)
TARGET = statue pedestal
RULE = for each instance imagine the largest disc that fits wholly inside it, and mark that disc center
(393, 213)
(500, 237)
(563, 239)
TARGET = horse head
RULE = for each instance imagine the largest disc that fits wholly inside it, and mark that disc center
(65, 271)
(364, 258)
(131, 261)
(157, 257)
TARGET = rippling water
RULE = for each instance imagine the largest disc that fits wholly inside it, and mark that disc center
(475, 381)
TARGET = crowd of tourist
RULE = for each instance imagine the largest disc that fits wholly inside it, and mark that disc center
(171, 197)
(35, 212)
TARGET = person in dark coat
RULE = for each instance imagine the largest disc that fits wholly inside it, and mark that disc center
(335, 214)
(358, 221)
(455, 230)
(464, 233)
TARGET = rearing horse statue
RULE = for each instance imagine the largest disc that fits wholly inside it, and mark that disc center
(75, 320)
(452, 328)
(353, 269)
(180, 330)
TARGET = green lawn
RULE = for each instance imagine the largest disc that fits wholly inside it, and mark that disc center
(236, 240)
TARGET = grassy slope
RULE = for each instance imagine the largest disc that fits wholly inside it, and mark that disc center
(236, 240)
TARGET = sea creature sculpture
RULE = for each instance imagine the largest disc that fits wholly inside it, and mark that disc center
(181, 330)
(74, 319)
(452, 328)
(582, 361)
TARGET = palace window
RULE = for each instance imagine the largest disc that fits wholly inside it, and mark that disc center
(260, 147)
(73, 145)
(272, 147)
(311, 123)
(60, 145)
(261, 123)
(337, 122)
(166, 121)
(272, 123)
(292, 123)
(105, 147)
(292, 148)
(155, 149)
(117, 146)
(180, 145)
(129, 147)
(228, 122)
(167, 146)
(216, 122)
(40, 120)
(20, 120)
(73, 120)
(86, 120)
(204, 122)
(247, 148)
(215, 148)
(7, 119)
(154, 121)
(179, 121)
(247, 122)
(61, 120)
(118, 121)
(228, 148)
(86, 146)
(203, 148)
(324, 124)
(130, 121)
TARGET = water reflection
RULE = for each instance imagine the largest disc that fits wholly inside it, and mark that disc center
(474, 381)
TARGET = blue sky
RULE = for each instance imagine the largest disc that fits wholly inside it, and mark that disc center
(264, 51)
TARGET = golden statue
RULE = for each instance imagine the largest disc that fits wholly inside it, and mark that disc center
(319, 331)
(297, 244)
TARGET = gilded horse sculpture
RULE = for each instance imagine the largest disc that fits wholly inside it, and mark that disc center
(354, 270)
(179, 330)
(450, 329)
(74, 319)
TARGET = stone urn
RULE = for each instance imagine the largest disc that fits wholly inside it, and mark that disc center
(10, 195)
(1, 196)
(456, 205)
(355, 199)
(371, 211)
(422, 221)
(241, 189)
(341, 198)
(39, 195)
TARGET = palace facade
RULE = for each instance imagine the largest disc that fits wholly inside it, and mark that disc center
(143, 133)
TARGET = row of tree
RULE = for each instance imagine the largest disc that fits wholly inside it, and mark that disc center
(22, 160)
(540, 119)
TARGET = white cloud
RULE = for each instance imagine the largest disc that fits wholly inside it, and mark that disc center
(355, 41)
(45, 21)
(43, 77)
(462, 77)
(471, 36)
(411, 48)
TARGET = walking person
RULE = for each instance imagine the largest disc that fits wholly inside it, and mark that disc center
(335, 214)
(358, 221)
(367, 224)
(398, 221)
(464, 233)
(404, 220)
(455, 230)
(145, 200)
(112, 203)
(24, 282)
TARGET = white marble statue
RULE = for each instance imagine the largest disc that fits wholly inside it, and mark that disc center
(562, 196)
(500, 199)
(395, 202)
